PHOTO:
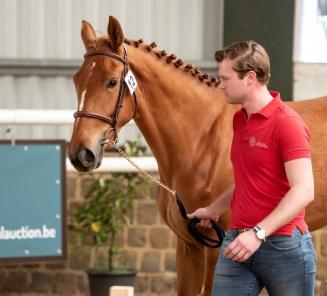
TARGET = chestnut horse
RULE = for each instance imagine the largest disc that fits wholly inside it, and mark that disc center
(186, 121)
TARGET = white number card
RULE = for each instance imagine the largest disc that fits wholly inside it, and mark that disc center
(131, 81)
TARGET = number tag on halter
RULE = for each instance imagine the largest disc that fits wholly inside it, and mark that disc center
(131, 81)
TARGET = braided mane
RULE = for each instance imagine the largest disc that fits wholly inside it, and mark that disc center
(178, 63)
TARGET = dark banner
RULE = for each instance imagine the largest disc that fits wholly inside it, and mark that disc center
(271, 23)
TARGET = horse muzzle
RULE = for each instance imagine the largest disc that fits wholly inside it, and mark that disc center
(86, 160)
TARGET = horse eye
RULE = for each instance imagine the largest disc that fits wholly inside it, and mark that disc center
(112, 83)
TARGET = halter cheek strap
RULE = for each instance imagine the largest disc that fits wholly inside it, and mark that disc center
(113, 118)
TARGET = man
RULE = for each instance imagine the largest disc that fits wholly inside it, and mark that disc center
(268, 243)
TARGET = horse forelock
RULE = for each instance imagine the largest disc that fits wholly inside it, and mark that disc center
(103, 43)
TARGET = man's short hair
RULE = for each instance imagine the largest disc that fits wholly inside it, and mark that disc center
(247, 56)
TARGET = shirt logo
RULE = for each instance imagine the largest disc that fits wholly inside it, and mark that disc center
(254, 142)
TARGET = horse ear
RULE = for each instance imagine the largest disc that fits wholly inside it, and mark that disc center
(115, 32)
(88, 35)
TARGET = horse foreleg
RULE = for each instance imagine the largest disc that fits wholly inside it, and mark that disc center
(210, 260)
(196, 266)
(190, 269)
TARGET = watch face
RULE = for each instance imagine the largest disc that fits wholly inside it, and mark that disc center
(261, 234)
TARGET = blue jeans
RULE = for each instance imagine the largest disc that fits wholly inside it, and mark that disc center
(284, 265)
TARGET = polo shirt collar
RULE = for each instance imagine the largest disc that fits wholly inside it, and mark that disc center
(270, 108)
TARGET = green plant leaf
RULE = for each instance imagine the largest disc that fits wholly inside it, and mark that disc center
(107, 207)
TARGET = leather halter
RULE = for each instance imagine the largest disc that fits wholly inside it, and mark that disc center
(113, 118)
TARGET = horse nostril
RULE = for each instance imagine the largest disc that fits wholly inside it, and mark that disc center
(86, 157)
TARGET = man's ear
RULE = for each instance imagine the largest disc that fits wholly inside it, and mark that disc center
(115, 33)
(251, 76)
(88, 35)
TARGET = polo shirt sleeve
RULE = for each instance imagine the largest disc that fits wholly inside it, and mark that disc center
(293, 139)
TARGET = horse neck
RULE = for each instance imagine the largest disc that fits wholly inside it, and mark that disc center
(175, 112)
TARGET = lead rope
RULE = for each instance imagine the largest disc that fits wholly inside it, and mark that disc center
(203, 239)
(143, 172)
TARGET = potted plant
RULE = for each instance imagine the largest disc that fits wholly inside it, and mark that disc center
(103, 214)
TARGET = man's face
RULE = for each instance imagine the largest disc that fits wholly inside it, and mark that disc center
(233, 87)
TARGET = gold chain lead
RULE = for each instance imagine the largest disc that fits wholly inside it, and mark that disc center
(143, 172)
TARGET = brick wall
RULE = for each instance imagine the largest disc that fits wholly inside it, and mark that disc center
(147, 245)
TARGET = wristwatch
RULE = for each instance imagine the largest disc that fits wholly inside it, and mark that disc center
(260, 233)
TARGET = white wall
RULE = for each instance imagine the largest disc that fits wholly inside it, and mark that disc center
(310, 42)
(50, 29)
(310, 51)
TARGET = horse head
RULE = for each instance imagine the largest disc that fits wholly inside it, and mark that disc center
(104, 105)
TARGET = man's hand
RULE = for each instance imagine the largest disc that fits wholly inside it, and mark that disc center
(243, 246)
(215, 209)
(205, 215)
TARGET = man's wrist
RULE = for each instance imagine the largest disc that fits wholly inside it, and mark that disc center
(213, 213)
(260, 233)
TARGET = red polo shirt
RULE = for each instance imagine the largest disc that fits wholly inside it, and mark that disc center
(261, 145)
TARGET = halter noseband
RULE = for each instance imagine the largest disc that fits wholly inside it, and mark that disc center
(113, 118)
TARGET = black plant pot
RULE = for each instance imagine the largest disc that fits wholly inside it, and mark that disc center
(101, 280)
